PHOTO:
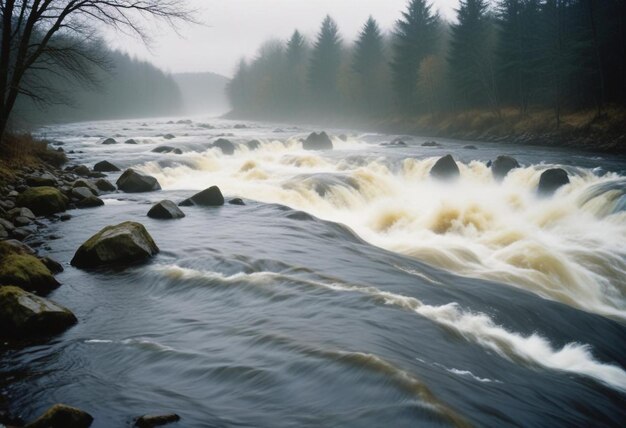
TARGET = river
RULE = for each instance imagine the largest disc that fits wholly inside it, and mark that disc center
(350, 290)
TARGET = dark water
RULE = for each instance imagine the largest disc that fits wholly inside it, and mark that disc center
(265, 315)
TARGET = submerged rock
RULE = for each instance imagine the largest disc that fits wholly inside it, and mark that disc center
(236, 201)
(20, 267)
(211, 197)
(23, 314)
(133, 182)
(226, 146)
(169, 136)
(43, 200)
(319, 141)
(502, 165)
(445, 169)
(62, 416)
(105, 166)
(168, 149)
(253, 144)
(431, 144)
(551, 180)
(122, 244)
(150, 421)
(165, 210)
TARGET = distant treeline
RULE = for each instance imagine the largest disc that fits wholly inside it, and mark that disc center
(556, 54)
(119, 87)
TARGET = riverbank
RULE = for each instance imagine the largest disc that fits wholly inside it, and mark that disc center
(581, 130)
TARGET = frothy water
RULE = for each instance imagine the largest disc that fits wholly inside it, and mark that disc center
(351, 290)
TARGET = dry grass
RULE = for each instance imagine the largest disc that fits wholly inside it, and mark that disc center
(18, 151)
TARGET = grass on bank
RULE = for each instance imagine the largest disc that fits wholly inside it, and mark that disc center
(19, 151)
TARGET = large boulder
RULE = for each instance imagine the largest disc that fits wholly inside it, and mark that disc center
(165, 210)
(551, 180)
(445, 169)
(319, 141)
(23, 314)
(502, 165)
(122, 244)
(105, 166)
(226, 146)
(133, 182)
(43, 200)
(20, 267)
(211, 197)
(62, 416)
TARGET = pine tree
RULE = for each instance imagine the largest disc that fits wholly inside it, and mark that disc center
(472, 68)
(295, 74)
(368, 65)
(324, 65)
(238, 88)
(415, 37)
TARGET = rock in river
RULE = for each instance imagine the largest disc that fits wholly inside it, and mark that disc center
(150, 421)
(445, 169)
(226, 146)
(211, 197)
(551, 180)
(62, 416)
(19, 267)
(43, 200)
(502, 165)
(133, 182)
(105, 166)
(165, 210)
(25, 314)
(122, 244)
(319, 141)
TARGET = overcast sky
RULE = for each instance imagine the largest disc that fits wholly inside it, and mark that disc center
(235, 28)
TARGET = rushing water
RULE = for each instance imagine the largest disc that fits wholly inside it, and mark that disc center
(351, 290)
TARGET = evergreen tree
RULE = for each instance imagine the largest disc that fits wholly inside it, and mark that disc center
(324, 65)
(415, 37)
(368, 64)
(472, 68)
(295, 73)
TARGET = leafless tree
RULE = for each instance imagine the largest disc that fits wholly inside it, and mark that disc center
(39, 37)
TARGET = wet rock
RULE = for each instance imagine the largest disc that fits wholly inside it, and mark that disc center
(24, 232)
(105, 166)
(395, 143)
(343, 137)
(226, 146)
(253, 145)
(165, 210)
(130, 141)
(12, 245)
(21, 212)
(62, 416)
(133, 182)
(90, 202)
(81, 170)
(104, 185)
(40, 181)
(470, 147)
(87, 184)
(81, 193)
(319, 141)
(240, 126)
(502, 165)
(122, 244)
(19, 267)
(431, 144)
(52, 265)
(445, 169)
(43, 200)
(20, 221)
(551, 180)
(150, 421)
(109, 141)
(169, 136)
(168, 149)
(211, 197)
(65, 217)
(23, 314)
(236, 201)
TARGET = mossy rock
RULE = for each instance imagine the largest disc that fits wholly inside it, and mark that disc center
(122, 244)
(43, 200)
(62, 416)
(25, 270)
(23, 314)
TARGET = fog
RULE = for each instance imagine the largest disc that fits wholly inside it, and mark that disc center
(231, 29)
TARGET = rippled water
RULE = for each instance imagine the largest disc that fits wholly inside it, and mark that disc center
(351, 290)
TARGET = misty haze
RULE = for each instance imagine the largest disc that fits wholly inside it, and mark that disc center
(328, 213)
